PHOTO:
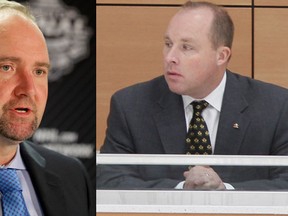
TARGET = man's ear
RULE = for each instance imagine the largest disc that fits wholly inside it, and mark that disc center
(223, 55)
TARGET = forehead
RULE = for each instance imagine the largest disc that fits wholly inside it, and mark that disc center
(191, 22)
(11, 18)
(21, 36)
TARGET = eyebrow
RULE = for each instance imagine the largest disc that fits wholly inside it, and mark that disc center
(17, 60)
(185, 40)
(43, 64)
(13, 59)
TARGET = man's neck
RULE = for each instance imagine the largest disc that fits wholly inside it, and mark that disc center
(7, 151)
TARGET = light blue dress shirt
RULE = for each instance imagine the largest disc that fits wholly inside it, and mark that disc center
(28, 191)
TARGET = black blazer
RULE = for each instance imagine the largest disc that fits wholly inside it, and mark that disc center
(61, 183)
(148, 118)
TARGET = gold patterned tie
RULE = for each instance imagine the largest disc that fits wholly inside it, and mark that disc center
(197, 138)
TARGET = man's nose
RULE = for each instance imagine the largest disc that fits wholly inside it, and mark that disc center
(25, 85)
(171, 56)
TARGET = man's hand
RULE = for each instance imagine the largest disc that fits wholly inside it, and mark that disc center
(202, 177)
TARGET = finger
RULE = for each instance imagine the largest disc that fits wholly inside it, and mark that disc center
(185, 174)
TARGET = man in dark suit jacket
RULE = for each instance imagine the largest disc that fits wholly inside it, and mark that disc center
(61, 183)
(247, 117)
(52, 184)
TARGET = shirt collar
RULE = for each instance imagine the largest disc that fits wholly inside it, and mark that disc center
(17, 162)
(214, 98)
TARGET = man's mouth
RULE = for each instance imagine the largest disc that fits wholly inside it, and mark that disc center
(22, 110)
(172, 73)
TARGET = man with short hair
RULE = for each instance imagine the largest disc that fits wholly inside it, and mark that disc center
(235, 115)
(51, 183)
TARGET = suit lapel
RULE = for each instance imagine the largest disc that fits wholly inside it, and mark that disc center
(46, 184)
(234, 120)
(170, 121)
(233, 123)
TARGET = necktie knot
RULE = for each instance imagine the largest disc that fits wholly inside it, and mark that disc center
(199, 106)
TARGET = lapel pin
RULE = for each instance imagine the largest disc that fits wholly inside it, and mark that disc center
(236, 125)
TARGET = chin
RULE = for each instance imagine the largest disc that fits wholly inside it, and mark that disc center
(176, 90)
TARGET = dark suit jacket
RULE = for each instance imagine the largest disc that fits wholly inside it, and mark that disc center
(148, 118)
(61, 183)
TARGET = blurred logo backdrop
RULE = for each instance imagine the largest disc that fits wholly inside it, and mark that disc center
(69, 123)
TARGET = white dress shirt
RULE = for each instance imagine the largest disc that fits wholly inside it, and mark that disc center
(211, 114)
(28, 191)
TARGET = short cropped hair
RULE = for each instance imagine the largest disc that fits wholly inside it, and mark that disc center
(16, 8)
(222, 28)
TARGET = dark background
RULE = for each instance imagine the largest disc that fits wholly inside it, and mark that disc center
(71, 105)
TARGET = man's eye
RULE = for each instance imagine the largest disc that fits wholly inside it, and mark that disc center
(168, 44)
(6, 68)
(187, 47)
(39, 72)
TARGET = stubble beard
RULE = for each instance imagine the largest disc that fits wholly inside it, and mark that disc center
(16, 133)
(17, 129)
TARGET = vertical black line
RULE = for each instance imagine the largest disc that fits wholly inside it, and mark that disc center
(252, 39)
